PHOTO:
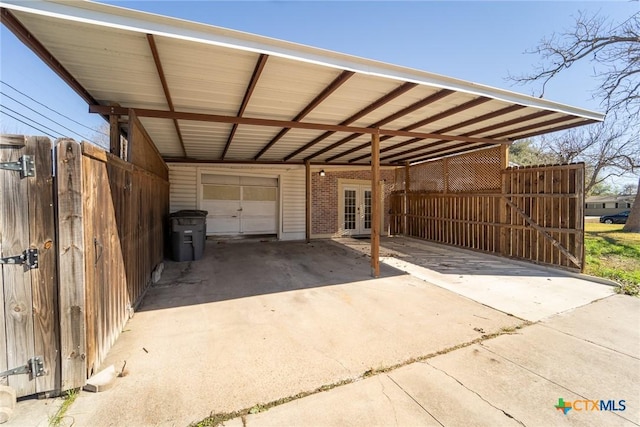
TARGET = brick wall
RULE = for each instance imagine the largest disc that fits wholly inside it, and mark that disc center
(325, 198)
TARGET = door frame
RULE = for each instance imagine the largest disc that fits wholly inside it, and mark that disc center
(344, 182)
(240, 172)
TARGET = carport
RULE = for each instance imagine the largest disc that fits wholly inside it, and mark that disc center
(219, 105)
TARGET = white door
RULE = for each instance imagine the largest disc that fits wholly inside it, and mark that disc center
(239, 204)
(356, 209)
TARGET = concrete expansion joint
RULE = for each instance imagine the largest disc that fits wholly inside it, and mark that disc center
(508, 415)
(591, 342)
(393, 407)
(528, 370)
(412, 398)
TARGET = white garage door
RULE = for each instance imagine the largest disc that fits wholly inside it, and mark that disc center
(239, 204)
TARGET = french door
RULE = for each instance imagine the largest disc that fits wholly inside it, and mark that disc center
(356, 213)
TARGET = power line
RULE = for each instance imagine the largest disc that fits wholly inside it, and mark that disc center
(48, 118)
(51, 109)
(28, 124)
(29, 118)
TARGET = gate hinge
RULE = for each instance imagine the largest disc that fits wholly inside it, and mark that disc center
(34, 367)
(25, 165)
(29, 258)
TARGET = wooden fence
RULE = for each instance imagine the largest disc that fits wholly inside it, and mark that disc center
(536, 215)
(28, 292)
(98, 227)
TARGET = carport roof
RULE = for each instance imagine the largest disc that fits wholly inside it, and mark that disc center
(207, 93)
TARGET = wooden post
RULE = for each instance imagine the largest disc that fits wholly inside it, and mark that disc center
(375, 205)
(407, 188)
(71, 265)
(504, 156)
(502, 235)
(114, 135)
(307, 221)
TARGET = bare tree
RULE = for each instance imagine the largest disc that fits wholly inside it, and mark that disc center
(606, 150)
(614, 49)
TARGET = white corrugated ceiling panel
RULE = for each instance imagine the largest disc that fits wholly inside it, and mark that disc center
(199, 81)
(249, 140)
(356, 93)
(113, 65)
(164, 136)
(286, 87)
(408, 98)
(293, 139)
(204, 140)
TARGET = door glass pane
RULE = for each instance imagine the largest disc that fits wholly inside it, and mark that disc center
(349, 209)
(367, 209)
(220, 192)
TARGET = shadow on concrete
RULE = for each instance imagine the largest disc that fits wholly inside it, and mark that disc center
(452, 261)
(238, 269)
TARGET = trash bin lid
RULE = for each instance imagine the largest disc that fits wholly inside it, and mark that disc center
(189, 213)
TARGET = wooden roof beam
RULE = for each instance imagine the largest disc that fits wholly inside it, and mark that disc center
(547, 123)
(411, 108)
(335, 84)
(257, 71)
(165, 86)
(366, 110)
(523, 119)
(450, 112)
(555, 129)
(450, 153)
(469, 122)
(160, 114)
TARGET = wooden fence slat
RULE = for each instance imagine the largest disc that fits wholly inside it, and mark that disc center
(72, 263)
(16, 280)
(554, 241)
(44, 278)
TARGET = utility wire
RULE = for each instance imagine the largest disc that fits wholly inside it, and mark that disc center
(51, 109)
(30, 119)
(28, 124)
(48, 118)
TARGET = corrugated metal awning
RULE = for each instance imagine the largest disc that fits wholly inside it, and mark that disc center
(206, 93)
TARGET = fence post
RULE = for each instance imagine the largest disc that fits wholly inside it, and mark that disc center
(71, 265)
(504, 164)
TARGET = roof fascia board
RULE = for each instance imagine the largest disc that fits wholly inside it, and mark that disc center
(142, 22)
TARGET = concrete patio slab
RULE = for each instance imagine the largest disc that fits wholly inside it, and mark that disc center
(617, 326)
(513, 379)
(523, 290)
(255, 322)
(581, 367)
(526, 396)
(376, 401)
(446, 400)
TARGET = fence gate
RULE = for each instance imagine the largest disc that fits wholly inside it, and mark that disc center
(29, 362)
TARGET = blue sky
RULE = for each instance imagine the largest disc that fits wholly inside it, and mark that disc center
(477, 41)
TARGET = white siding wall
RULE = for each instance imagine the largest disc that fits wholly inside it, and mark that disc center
(183, 194)
(293, 209)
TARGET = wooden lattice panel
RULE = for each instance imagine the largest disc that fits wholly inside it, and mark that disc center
(472, 172)
(466, 173)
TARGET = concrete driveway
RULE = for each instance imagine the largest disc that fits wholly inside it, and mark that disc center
(259, 322)
(523, 289)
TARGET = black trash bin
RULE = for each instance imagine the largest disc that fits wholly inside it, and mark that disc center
(188, 234)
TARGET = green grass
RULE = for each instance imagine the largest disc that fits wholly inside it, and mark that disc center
(613, 254)
(68, 399)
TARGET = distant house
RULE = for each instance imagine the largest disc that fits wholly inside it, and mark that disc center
(606, 205)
